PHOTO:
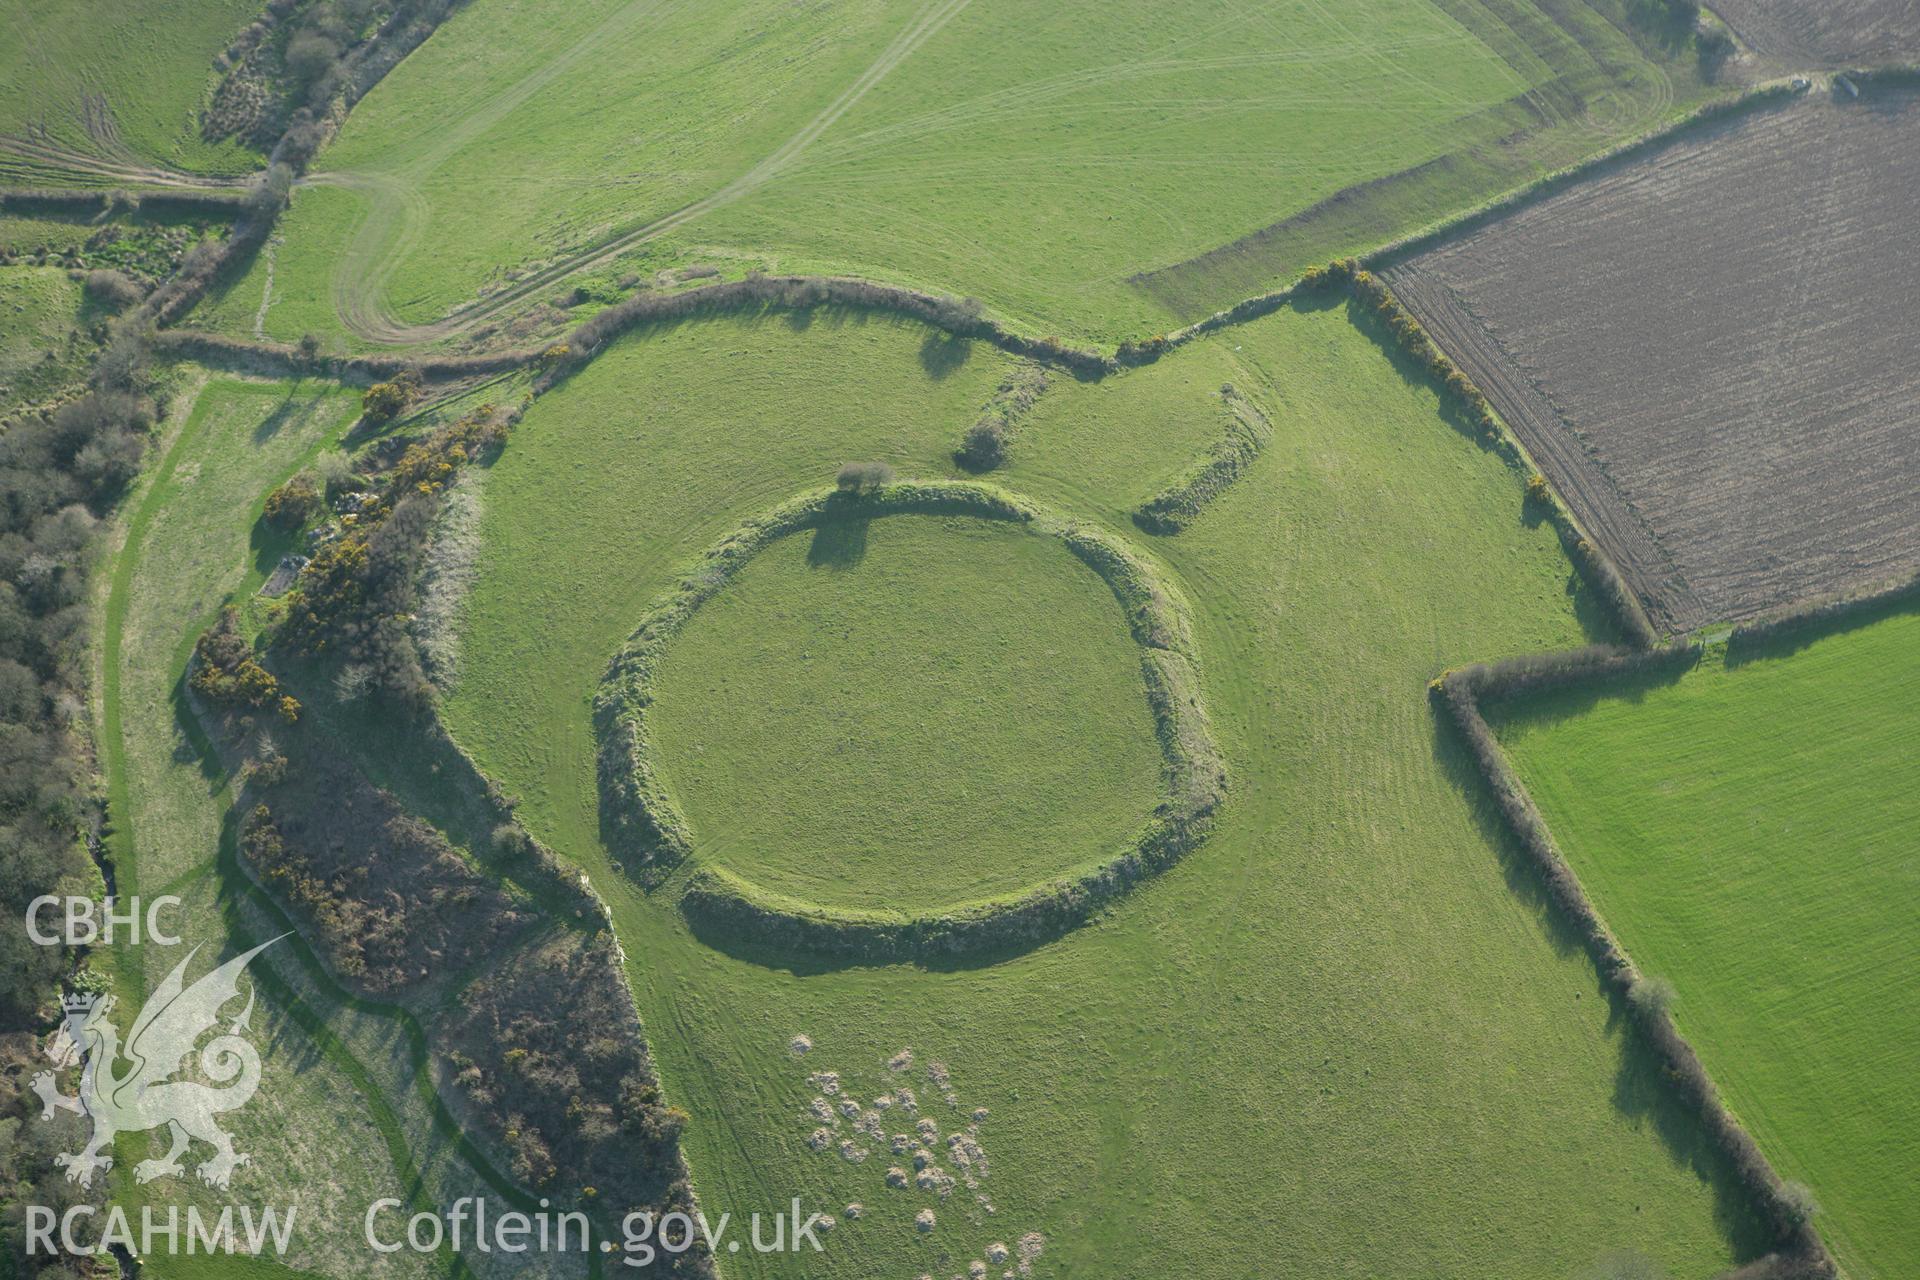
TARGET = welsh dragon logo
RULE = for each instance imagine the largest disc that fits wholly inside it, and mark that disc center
(142, 1096)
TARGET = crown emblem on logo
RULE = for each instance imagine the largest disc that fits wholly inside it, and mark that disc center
(127, 1089)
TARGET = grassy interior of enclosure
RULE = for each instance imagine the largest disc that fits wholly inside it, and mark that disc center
(1343, 1037)
(928, 710)
(143, 66)
(43, 339)
(1748, 832)
(334, 1122)
(924, 145)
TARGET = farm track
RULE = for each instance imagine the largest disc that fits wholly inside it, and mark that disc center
(376, 251)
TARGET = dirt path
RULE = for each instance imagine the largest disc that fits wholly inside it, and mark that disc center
(400, 213)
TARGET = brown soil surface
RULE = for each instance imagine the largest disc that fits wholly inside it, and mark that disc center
(1709, 350)
(1836, 33)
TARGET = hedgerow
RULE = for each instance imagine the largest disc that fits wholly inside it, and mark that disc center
(1817, 616)
(294, 360)
(1461, 693)
(642, 824)
(961, 317)
(28, 202)
(1595, 568)
(301, 133)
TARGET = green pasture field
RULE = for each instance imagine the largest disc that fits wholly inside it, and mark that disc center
(927, 710)
(44, 341)
(27, 236)
(1747, 830)
(555, 124)
(1343, 1037)
(926, 145)
(124, 80)
(345, 1114)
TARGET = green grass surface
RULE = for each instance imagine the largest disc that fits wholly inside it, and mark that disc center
(1039, 158)
(121, 79)
(928, 711)
(1747, 830)
(44, 343)
(1335, 1040)
(27, 236)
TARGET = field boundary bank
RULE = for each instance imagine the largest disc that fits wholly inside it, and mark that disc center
(362, 67)
(957, 316)
(642, 825)
(1641, 563)
(963, 319)
(1208, 477)
(579, 345)
(258, 213)
(1461, 694)
(1603, 450)
(559, 360)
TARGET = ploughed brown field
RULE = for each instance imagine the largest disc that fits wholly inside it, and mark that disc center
(1827, 32)
(1710, 350)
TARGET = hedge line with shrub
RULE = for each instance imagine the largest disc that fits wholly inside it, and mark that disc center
(1799, 1252)
(958, 316)
(288, 360)
(28, 202)
(1595, 567)
(961, 317)
(1827, 613)
(336, 88)
(642, 824)
(1180, 503)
